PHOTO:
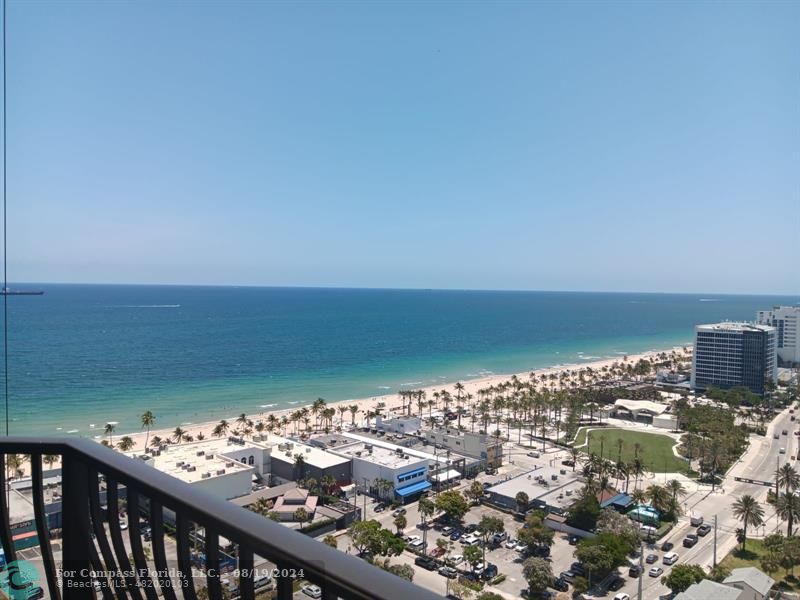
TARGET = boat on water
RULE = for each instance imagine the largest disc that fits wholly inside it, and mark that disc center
(10, 292)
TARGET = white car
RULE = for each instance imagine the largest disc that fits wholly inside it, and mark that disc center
(414, 538)
(456, 559)
(313, 591)
(123, 525)
(622, 596)
(520, 547)
(510, 544)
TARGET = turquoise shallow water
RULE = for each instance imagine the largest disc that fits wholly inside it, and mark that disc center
(84, 354)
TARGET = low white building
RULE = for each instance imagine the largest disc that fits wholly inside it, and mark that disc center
(547, 488)
(408, 474)
(206, 465)
(475, 445)
(404, 425)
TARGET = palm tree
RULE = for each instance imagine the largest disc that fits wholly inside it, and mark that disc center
(50, 460)
(109, 431)
(788, 477)
(223, 426)
(156, 441)
(125, 444)
(749, 512)
(787, 506)
(353, 410)
(148, 420)
(179, 435)
(676, 488)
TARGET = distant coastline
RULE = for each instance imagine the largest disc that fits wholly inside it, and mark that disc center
(87, 355)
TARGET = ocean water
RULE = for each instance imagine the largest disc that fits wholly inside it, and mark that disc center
(84, 355)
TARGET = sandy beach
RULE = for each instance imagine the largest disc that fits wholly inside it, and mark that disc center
(392, 403)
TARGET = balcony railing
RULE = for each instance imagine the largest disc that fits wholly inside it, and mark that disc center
(93, 544)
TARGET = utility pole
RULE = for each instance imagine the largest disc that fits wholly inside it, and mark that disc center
(641, 568)
(364, 515)
(714, 562)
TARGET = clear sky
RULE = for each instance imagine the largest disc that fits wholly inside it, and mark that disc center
(521, 145)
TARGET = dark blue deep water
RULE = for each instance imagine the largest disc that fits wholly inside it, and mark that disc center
(88, 354)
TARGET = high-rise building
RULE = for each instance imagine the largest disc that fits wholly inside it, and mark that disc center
(729, 355)
(786, 321)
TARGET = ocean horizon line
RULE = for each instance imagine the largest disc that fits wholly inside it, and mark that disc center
(404, 289)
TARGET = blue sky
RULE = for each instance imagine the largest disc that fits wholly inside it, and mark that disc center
(571, 146)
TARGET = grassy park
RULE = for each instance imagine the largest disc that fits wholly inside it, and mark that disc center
(654, 450)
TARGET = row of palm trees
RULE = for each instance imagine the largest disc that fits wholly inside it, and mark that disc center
(787, 504)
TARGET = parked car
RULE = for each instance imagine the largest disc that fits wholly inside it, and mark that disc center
(568, 462)
(635, 571)
(667, 546)
(534, 454)
(670, 558)
(616, 583)
(456, 559)
(510, 543)
(568, 576)
(690, 540)
(704, 530)
(380, 507)
(314, 591)
(447, 529)
(448, 572)
(651, 558)
(622, 596)
(573, 540)
(455, 536)
(656, 572)
(398, 512)
(426, 562)
(471, 528)
(578, 568)
(520, 547)
(560, 584)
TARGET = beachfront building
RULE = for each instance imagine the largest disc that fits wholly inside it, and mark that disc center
(480, 446)
(786, 321)
(754, 584)
(401, 425)
(731, 354)
(293, 461)
(407, 475)
(548, 489)
(206, 465)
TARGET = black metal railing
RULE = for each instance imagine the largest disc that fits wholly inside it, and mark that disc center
(96, 563)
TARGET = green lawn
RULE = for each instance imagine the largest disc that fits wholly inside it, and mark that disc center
(752, 558)
(655, 451)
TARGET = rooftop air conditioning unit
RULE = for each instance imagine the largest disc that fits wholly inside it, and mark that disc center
(209, 456)
(229, 464)
(358, 452)
(220, 471)
(179, 463)
(205, 475)
(568, 492)
(200, 452)
(192, 469)
(554, 477)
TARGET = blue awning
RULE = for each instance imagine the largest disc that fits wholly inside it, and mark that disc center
(622, 500)
(420, 486)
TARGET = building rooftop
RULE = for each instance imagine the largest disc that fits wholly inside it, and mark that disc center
(286, 450)
(378, 454)
(734, 326)
(196, 461)
(707, 589)
(756, 579)
(539, 483)
(654, 408)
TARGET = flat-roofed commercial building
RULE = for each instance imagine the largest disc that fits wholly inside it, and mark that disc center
(730, 354)
(475, 445)
(292, 461)
(786, 321)
(408, 474)
(205, 465)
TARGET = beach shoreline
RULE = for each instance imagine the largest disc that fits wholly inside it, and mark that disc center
(392, 402)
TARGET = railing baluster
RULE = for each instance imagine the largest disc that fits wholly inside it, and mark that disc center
(284, 584)
(42, 527)
(184, 557)
(77, 545)
(139, 559)
(159, 553)
(97, 565)
(100, 533)
(246, 591)
(112, 501)
(6, 538)
(212, 564)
